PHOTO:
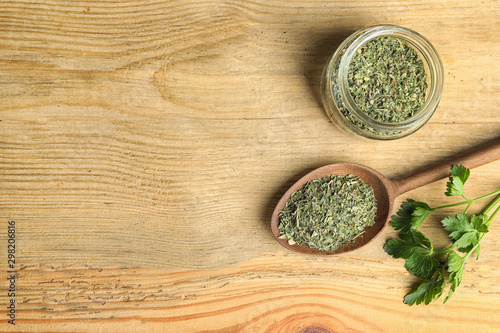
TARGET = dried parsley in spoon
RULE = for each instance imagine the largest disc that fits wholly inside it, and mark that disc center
(328, 212)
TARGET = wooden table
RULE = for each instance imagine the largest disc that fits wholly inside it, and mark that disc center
(144, 145)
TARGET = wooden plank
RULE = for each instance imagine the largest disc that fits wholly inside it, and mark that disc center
(144, 146)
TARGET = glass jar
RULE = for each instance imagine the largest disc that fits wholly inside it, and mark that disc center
(340, 105)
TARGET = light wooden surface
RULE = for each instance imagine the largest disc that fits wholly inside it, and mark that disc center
(144, 145)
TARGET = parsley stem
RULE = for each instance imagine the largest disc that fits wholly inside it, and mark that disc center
(486, 196)
(451, 205)
(442, 252)
(491, 205)
(469, 202)
(467, 208)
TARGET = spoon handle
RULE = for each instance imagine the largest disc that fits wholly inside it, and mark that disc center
(476, 157)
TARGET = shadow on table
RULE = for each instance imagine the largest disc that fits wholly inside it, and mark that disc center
(323, 46)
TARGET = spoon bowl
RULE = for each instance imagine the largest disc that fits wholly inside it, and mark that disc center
(386, 191)
(382, 189)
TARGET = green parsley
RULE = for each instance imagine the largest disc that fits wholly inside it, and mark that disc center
(438, 268)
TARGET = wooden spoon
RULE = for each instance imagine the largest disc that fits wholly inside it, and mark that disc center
(386, 191)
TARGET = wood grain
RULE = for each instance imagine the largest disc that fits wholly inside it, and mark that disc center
(144, 145)
(275, 293)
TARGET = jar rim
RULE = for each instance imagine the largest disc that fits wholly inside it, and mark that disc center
(428, 55)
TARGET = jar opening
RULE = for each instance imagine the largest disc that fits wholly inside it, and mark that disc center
(422, 50)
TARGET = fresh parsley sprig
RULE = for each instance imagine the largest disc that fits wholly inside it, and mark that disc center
(445, 266)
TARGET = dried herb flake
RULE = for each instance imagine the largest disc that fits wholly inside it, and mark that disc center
(387, 80)
(328, 213)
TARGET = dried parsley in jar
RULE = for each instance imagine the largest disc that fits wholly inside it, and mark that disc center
(328, 212)
(387, 80)
(383, 82)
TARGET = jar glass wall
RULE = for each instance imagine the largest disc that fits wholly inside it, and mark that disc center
(340, 104)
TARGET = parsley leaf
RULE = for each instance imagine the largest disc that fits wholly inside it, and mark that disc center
(463, 233)
(402, 219)
(457, 179)
(455, 264)
(419, 214)
(457, 225)
(427, 291)
(410, 216)
(417, 250)
(479, 222)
